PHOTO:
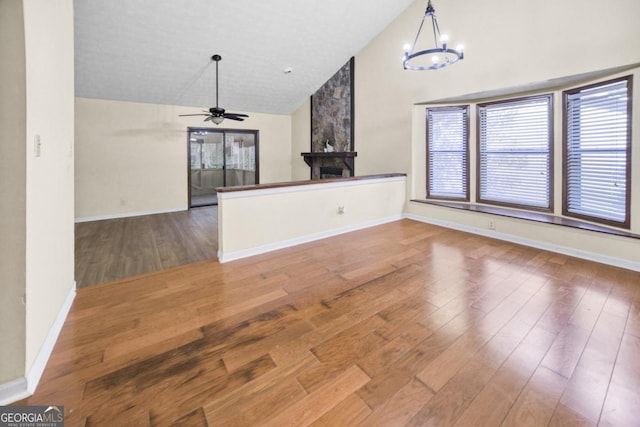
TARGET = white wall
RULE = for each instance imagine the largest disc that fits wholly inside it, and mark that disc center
(37, 231)
(295, 214)
(50, 191)
(131, 158)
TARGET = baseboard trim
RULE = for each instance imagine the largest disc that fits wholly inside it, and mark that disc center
(25, 386)
(40, 362)
(235, 255)
(13, 391)
(125, 215)
(589, 256)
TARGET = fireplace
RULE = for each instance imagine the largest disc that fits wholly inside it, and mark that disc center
(325, 165)
(331, 172)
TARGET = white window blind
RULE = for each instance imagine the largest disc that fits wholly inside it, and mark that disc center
(514, 161)
(448, 153)
(597, 152)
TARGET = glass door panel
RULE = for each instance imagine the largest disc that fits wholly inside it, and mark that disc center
(206, 167)
(220, 158)
(240, 158)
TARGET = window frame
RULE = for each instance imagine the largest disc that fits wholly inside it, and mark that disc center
(465, 109)
(626, 224)
(550, 147)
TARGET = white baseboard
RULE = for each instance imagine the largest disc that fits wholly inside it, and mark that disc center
(232, 256)
(40, 362)
(126, 215)
(13, 391)
(25, 386)
(590, 256)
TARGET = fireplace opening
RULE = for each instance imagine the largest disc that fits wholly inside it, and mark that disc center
(330, 172)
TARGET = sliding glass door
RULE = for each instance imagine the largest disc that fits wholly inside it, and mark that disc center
(220, 158)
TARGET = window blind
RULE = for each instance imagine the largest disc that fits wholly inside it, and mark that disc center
(597, 152)
(448, 153)
(514, 161)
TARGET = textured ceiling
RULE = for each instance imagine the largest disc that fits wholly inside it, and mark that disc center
(159, 51)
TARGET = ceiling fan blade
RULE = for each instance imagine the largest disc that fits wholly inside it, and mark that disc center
(217, 114)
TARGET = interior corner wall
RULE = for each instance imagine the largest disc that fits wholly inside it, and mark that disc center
(132, 158)
(49, 59)
(12, 191)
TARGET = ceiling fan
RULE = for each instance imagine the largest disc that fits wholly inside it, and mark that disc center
(217, 114)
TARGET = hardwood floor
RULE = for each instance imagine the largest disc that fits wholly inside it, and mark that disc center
(124, 247)
(404, 324)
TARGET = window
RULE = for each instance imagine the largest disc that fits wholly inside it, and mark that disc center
(448, 153)
(514, 152)
(597, 152)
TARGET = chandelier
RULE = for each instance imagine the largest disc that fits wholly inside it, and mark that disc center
(440, 56)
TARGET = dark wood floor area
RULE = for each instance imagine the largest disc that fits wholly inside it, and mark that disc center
(124, 247)
(404, 324)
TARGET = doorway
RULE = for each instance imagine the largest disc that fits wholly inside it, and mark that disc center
(220, 158)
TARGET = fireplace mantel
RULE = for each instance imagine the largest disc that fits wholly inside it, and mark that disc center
(312, 158)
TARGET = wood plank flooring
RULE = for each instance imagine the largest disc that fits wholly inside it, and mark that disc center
(119, 248)
(404, 324)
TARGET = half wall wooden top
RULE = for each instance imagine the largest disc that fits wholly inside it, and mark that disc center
(306, 182)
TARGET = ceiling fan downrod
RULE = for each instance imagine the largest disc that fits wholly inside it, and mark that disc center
(217, 59)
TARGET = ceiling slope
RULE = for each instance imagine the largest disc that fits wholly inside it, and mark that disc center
(159, 51)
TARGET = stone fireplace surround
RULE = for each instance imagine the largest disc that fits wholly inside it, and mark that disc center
(332, 152)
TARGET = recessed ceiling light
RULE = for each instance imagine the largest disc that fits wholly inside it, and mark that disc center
(288, 70)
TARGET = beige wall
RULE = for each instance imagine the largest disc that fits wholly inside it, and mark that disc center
(505, 47)
(12, 190)
(300, 141)
(131, 158)
(49, 218)
(508, 45)
(307, 212)
(36, 213)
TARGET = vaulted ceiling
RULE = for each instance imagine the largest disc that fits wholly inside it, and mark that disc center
(159, 51)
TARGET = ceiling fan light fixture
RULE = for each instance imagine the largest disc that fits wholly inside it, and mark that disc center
(441, 55)
(217, 114)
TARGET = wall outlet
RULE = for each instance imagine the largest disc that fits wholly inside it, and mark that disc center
(492, 224)
(37, 146)
(341, 210)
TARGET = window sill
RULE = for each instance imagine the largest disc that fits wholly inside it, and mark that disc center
(530, 216)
